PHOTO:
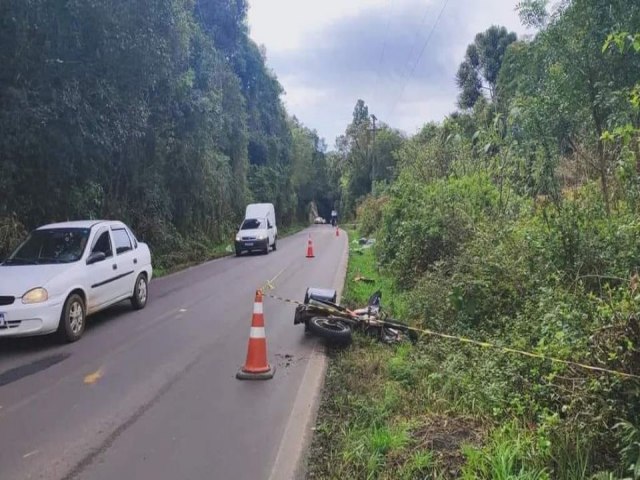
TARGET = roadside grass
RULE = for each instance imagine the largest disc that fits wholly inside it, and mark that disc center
(376, 419)
(291, 230)
(192, 254)
(409, 411)
(195, 253)
(362, 265)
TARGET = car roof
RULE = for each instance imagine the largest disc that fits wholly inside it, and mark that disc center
(82, 224)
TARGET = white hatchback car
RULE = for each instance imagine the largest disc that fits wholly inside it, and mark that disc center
(65, 271)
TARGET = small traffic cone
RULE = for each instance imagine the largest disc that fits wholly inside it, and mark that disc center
(337, 232)
(256, 367)
(310, 248)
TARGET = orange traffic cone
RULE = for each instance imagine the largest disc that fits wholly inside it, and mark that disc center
(337, 232)
(310, 248)
(256, 367)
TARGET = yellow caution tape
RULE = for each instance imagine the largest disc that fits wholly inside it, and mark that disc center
(267, 286)
(286, 300)
(524, 352)
(479, 343)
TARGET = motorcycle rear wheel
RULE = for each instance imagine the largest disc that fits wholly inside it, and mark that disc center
(332, 329)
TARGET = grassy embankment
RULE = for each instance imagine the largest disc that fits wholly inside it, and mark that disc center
(203, 252)
(388, 412)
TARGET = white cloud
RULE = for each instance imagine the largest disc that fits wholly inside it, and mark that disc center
(299, 97)
(432, 104)
(329, 53)
(284, 24)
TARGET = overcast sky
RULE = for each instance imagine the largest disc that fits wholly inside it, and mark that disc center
(329, 53)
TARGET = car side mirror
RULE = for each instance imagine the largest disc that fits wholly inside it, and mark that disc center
(96, 257)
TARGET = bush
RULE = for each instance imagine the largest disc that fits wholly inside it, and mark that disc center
(12, 232)
(559, 281)
(370, 214)
(423, 224)
(586, 244)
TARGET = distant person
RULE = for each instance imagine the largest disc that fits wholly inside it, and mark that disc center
(334, 217)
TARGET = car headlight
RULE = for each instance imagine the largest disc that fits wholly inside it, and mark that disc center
(237, 238)
(262, 236)
(35, 295)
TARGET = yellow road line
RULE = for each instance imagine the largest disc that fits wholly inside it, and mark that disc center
(93, 378)
(30, 454)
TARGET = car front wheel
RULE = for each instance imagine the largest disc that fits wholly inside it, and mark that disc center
(140, 293)
(73, 319)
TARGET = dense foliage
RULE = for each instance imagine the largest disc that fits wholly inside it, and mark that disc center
(161, 113)
(365, 160)
(514, 221)
(482, 64)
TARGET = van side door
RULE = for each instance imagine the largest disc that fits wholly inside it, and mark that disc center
(271, 232)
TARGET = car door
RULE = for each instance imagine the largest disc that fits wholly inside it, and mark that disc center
(101, 274)
(126, 260)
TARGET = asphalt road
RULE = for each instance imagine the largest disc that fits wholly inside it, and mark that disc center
(152, 394)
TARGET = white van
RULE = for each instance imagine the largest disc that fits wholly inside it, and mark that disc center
(258, 230)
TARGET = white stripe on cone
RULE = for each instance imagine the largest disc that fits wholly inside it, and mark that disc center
(257, 332)
(257, 307)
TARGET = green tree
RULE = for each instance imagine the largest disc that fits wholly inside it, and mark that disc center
(533, 13)
(385, 146)
(480, 68)
(310, 171)
(625, 131)
(354, 147)
(147, 111)
(570, 84)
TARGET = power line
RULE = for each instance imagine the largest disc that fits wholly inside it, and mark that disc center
(413, 44)
(415, 65)
(374, 91)
(416, 35)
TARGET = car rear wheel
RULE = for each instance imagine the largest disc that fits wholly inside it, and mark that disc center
(73, 319)
(140, 293)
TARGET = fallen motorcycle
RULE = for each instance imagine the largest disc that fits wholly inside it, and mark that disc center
(323, 317)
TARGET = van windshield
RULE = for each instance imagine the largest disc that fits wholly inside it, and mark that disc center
(253, 224)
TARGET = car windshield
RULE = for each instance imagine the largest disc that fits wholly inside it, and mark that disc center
(56, 245)
(252, 224)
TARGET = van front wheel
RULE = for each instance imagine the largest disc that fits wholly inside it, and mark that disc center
(275, 244)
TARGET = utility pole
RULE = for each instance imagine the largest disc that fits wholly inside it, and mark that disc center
(373, 154)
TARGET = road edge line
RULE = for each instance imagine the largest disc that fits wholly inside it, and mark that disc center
(292, 456)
